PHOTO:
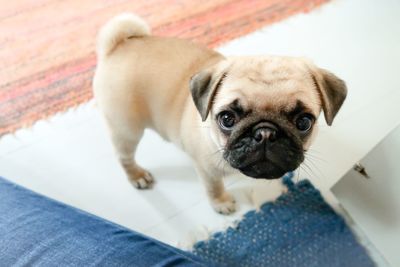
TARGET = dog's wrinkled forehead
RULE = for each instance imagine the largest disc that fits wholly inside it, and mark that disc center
(273, 83)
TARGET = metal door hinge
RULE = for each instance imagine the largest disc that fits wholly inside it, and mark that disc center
(361, 170)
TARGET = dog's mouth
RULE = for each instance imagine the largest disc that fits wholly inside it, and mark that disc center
(263, 164)
(264, 170)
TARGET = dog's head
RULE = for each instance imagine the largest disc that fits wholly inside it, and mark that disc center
(262, 111)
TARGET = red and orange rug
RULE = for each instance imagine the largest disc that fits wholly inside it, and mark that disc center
(47, 46)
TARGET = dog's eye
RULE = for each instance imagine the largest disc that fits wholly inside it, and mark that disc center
(226, 120)
(304, 122)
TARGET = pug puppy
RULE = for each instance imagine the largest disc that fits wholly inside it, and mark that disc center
(251, 115)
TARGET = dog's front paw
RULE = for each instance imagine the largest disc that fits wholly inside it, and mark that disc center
(142, 180)
(225, 204)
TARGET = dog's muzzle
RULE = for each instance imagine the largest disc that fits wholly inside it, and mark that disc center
(264, 152)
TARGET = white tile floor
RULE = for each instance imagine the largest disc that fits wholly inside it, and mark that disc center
(69, 156)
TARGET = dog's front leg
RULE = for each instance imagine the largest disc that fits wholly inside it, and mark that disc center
(220, 199)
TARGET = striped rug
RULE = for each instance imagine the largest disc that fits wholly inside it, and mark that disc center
(47, 46)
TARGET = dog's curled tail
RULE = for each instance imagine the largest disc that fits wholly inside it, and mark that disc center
(119, 29)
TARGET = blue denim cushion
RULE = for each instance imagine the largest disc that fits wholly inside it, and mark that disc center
(38, 231)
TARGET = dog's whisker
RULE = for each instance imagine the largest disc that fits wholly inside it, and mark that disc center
(302, 169)
(315, 157)
(320, 173)
(309, 170)
(315, 170)
(308, 167)
(314, 151)
(298, 175)
(310, 160)
(214, 153)
(309, 157)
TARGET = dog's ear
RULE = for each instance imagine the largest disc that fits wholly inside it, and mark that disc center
(332, 90)
(203, 87)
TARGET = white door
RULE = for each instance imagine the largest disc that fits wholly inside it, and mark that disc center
(373, 202)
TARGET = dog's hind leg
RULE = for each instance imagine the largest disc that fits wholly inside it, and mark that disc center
(125, 147)
(126, 133)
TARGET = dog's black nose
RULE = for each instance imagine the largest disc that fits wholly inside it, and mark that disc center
(265, 132)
